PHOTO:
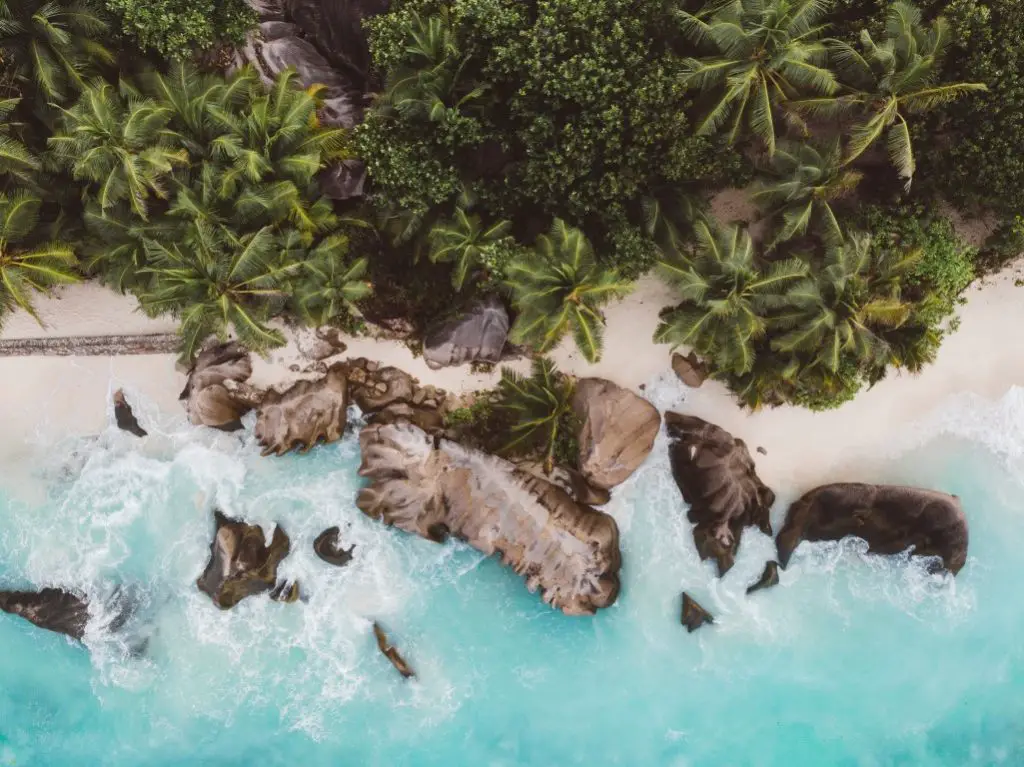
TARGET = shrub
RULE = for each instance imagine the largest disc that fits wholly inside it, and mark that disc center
(177, 28)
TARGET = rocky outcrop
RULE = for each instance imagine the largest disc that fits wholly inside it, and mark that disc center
(328, 547)
(388, 651)
(716, 476)
(476, 336)
(891, 519)
(336, 28)
(241, 564)
(124, 417)
(427, 418)
(210, 399)
(305, 414)
(434, 487)
(51, 609)
(690, 370)
(769, 577)
(373, 388)
(617, 432)
(694, 616)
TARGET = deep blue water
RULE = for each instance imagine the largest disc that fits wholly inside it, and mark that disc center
(852, 660)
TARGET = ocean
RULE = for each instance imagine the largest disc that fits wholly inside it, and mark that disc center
(853, 660)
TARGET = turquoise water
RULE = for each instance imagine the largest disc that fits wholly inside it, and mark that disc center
(853, 660)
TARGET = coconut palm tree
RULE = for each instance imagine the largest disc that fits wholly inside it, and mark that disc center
(17, 162)
(804, 180)
(889, 82)
(329, 285)
(118, 145)
(728, 298)
(559, 287)
(28, 264)
(52, 45)
(766, 52)
(537, 408)
(464, 240)
(669, 214)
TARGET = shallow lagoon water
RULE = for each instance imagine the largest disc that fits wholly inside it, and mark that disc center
(852, 660)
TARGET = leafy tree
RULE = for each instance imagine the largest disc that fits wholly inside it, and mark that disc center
(560, 287)
(28, 264)
(464, 240)
(803, 182)
(766, 52)
(727, 298)
(328, 285)
(537, 408)
(176, 28)
(52, 45)
(18, 164)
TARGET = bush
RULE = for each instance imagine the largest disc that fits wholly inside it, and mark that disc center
(1004, 245)
(176, 28)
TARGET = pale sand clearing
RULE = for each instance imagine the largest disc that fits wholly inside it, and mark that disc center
(45, 398)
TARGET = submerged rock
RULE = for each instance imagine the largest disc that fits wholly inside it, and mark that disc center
(210, 399)
(890, 518)
(476, 336)
(389, 652)
(286, 591)
(769, 578)
(693, 615)
(617, 432)
(689, 369)
(241, 564)
(51, 609)
(716, 476)
(327, 546)
(125, 418)
(306, 413)
(433, 487)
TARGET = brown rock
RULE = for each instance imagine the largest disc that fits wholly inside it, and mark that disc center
(769, 578)
(617, 433)
(584, 493)
(426, 418)
(328, 547)
(307, 413)
(690, 369)
(693, 615)
(391, 653)
(286, 591)
(241, 564)
(208, 401)
(376, 387)
(125, 418)
(51, 609)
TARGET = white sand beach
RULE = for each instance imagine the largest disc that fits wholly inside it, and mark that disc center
(49, 397)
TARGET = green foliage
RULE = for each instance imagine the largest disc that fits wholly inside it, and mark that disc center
(560, 287)
(176, 28)
(328, 286)
(538, 408)
(19, 166)
(1004, 245)
(466, 242)
(29, 264)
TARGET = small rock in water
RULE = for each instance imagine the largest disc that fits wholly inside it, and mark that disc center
(391, 653)
(52, 609)
(769, 578)
(694, 616)
(126, 420)
(285, 591)
(328, 548)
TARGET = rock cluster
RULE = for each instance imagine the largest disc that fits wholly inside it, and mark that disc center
(211, 395)
(241, 563)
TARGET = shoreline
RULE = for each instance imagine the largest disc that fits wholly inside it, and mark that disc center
(51, 397)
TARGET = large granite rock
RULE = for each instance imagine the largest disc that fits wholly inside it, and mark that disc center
(241, 564)
(305, 414)
(716, 476)
(891, 519)
(208, 395)
(374, 388)
(51, 609)
(434, 487)
(335, 27)
(477, 336)
(617, 433)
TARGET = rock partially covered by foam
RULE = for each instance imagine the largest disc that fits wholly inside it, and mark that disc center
(51, 609)
(241, 563)
(305, 414)
(716, 476)
(434, 487)
(212, 397)
(891, 519)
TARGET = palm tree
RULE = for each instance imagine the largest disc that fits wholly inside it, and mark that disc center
(27, 264)
(559, 287)
(669, 214)
(804, 182)
(767, 52)
(891, 81)
(329, 285)
(465, 241)
(52, 45)
(17, 162)
(118, 145)
(537, 408)
(727, 297)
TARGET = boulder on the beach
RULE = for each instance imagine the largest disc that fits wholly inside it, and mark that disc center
(388, 651)
(328, 547)
(476, 336)
(689, 369)
(717, 478)
(241, 563)
(890, 518)
(769, 577)
(617, 431)
(427, 418)
(124, 417)
(434, 487)
(209, 398)
(51, 609)
(694, 616)
(374, 387)
(305, 414)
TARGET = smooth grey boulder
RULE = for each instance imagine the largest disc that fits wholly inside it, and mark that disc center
(890, 518)
(241, 563)
(51, 609)
(617, 431)
(434, 487)
(305, 414)
(477, 336)
(717, 477)
(336, 28)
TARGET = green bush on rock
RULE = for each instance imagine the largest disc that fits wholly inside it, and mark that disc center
(176, 28)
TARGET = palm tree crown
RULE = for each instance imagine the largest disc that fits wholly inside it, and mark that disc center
(464, 240)
(538, 406)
